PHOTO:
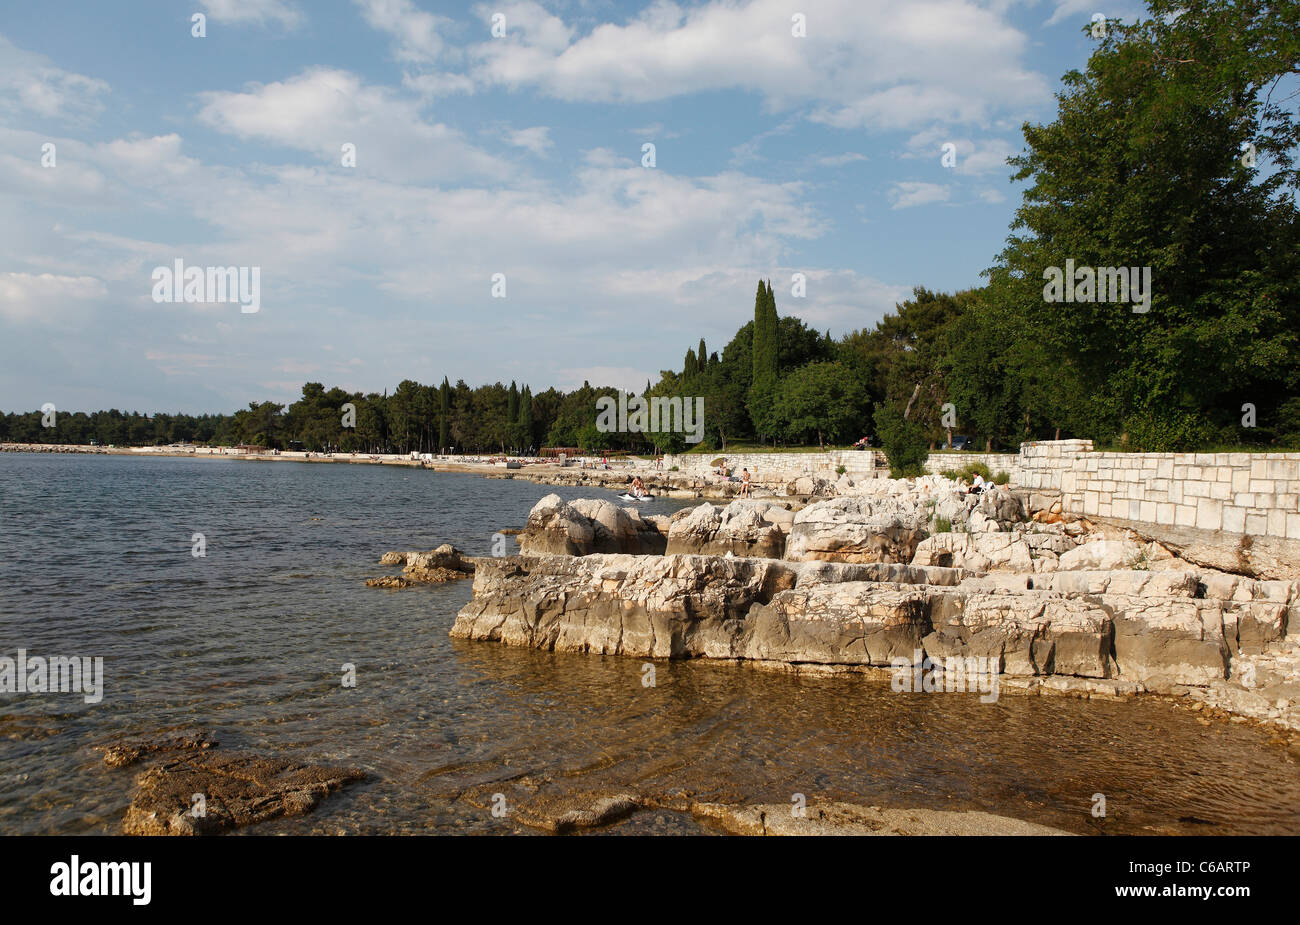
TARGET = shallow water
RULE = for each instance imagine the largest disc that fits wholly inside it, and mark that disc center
(249, 641)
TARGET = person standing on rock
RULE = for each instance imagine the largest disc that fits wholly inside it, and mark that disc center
(744, 483)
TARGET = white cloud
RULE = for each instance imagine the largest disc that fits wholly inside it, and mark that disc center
(907, 194)
(536, 139)
(1081, 10)
(254, 11)
(972, 157)
(415, 33)
(24, 296)
(29, 83)
(160, 153)
(321, 109)
(875, 63)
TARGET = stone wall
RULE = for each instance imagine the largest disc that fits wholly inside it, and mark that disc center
(997, 462)
(777, 469)
(1245, 493)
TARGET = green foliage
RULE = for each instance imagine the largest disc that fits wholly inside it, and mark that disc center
(766, 359)
(1002, 478)
(821, 401)
(1141, 168)
(903, 440)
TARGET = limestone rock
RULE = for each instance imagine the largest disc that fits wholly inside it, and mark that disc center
(587, 526)
(1103, 555)
(976, 552)
(121, 754)
(857, 530)
(664, 607)
(741, 528)
(1165, 642)
(238, 790)
(392, 582)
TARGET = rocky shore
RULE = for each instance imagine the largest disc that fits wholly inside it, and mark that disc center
(915, 574)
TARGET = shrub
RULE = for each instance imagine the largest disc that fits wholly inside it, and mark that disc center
(1002, 478)
(942, 525)
(839, 470)
(672, 468)
(904, 442)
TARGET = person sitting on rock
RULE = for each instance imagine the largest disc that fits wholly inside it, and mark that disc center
(978, 485)
(638, 487)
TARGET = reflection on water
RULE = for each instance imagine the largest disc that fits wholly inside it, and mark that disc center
(250, 642)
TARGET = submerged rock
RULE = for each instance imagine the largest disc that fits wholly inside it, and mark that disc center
(393, 582)
(851, 819)
(121, 754)
(237, 790)
(446, 563)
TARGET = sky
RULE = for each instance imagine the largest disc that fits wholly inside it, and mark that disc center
(380, 162)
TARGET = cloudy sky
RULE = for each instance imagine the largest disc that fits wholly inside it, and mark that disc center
(519, 154)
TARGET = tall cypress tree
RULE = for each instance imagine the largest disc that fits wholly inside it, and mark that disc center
(702, 357)
(690, 367)
(526, 416)
(765, 356)
(444, 415)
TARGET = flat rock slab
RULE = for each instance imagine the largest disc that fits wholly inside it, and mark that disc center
(851, 819)
(238, 790)
(122, 754)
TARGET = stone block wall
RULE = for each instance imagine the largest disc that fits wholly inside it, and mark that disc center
(778, 469)
(1245, 493)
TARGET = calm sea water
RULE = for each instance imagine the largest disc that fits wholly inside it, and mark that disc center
(248, 641)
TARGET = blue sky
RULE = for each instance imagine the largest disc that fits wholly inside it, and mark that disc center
(475, 155)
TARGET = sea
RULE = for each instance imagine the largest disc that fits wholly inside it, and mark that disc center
(250, 641)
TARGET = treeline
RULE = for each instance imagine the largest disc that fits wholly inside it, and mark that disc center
(413, 418)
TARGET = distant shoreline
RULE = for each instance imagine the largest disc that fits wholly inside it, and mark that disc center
(667, 484)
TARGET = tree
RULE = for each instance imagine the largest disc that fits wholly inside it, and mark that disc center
(526, 418)
(762, 392)
(905, 442)
(444, 415)
(1142, 168)
(821, 399)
